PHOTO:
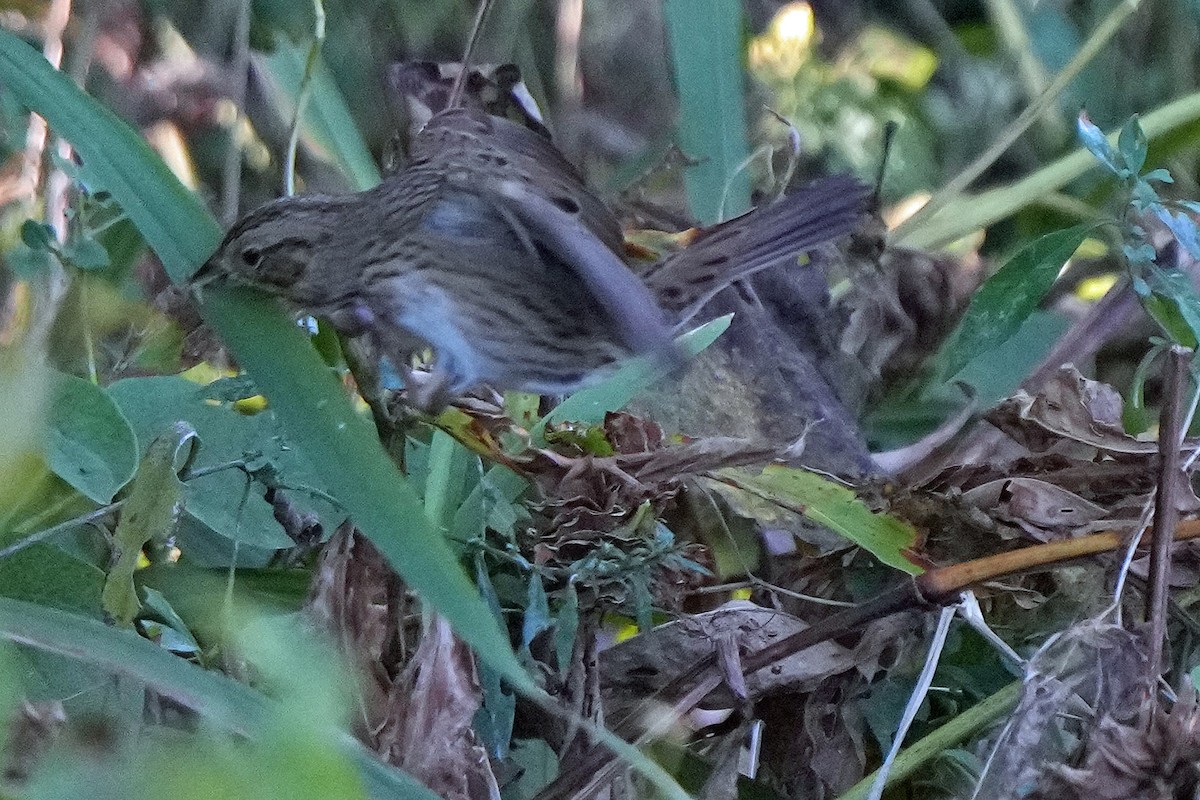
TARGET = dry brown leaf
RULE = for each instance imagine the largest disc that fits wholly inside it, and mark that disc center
(1069, 408)
(643, 664)
(1158, 756)
(1090, 671)
(427, 731)
(1040, 508)
(357, 598)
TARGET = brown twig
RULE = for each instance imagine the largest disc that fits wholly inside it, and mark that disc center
(1171, 430)
(937, 587)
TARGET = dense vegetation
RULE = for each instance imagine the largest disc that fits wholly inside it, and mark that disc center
(898, 496)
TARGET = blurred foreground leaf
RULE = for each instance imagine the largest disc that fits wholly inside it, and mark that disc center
(89, 443)
(222, 701)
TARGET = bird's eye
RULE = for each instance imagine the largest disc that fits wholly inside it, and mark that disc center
(252, 257)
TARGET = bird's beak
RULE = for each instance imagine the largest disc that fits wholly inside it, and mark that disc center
(210, 272)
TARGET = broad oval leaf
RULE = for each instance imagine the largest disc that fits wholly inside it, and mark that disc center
(89, 443)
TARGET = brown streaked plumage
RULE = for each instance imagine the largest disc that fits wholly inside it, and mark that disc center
(489, 248)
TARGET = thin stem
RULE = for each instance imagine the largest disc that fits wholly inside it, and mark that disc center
(231, 177)
(89, 345)
(460, 80)
(951, 191)
(58, 505)
(91, 516)
(74, 522)
(310, 63)
(45, 307)
(1166, 511)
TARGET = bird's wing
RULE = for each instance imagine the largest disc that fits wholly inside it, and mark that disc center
(624, 298)
(736, 249)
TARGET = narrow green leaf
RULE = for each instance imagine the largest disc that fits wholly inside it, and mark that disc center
(305, 395)
(537, 610)
(834, 506)
(1097, 144)
(494, 720)
(1008, 298)
(149, 514)
(1132, 144)
(566, 627)
(591, 404)
(1174, 304)
(445, 488)
(114, 158)
(89, 443)
(705, 38)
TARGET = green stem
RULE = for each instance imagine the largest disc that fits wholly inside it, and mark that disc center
(949, 194)
(74, 522)
(310, 63)
(985, 208)
(959, 729)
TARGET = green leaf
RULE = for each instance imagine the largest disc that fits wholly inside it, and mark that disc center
(537, 610)
(705, 38)
(223, 501)
(613, 393)
(36, 235)
(89, 443)
(164, 625)
(566, 627)
(1174, 304)
(28, 262)
(149, 514)
(834, 506)
(1097, 144)
(1131, 143)
(1184, 229)
(445, 485)
(1007, 298)
(50, 576)
(224, 702)
(494, 719)
(307, 398)
(86, 254)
